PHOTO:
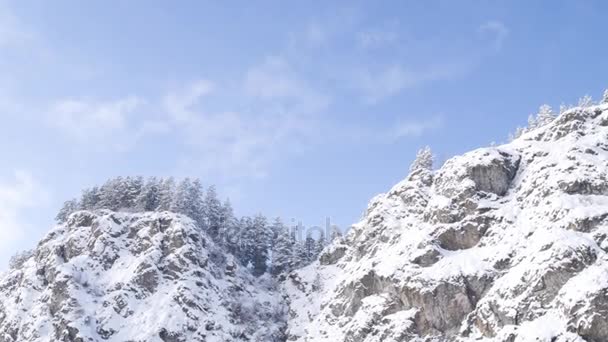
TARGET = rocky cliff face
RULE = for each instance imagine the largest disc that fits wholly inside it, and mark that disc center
(109, 276)
(505, 244)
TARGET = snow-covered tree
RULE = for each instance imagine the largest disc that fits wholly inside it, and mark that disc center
(282, 253)
(320, 245)
(195, 197)
(277, 228)
(518, 133)
(166, 194)
(110, 194)
(605, 96)
(246, 243)
(68, 208)
(532, 123)
(262, 240)
(213, 212)
(180, 203)
(89, 200)
(149, 197)
(310, 246)
(423, 161)
(545, 115)
(17, 260)
(229, 228)
(131, 188)
(585, 101)
(300, 254)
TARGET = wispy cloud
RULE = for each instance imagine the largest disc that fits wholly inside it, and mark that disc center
(276, 80)
(17, 194)
(377, 86)
(179, 103)
(272, 79)
(86, 119)
(416, 128)
(234, 143)
(497, 32)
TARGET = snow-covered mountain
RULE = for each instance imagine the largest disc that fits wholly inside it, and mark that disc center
(504, 243)
(109, 276)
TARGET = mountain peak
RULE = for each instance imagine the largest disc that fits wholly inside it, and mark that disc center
(503, 243)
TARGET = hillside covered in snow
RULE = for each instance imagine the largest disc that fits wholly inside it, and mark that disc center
(506, 243)
(110, 276)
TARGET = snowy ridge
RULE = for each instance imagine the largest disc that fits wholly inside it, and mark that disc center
(106, 276)
(506, 243)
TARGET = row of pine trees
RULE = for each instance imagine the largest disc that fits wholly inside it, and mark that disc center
(546, 115)
(256, 243)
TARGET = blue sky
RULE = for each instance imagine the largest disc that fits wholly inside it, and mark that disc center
(304, 110)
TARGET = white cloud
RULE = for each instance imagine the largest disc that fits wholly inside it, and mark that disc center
(16, 195)
(498, 32)
(271, 80)
(277, 82)
(179, 103)
(416, 128)
(393, 79)
(233, 143)
(84, 119)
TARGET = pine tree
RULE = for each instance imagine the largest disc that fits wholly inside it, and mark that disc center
(228, 227)
(246, 244)
(213, 212)
(66, 210)
(518, 132)
(195, 199)
(320, 245)
(131, 189)
(300, 254)
(180, 203)
(585, 101)
(166, 192)
(310, 247)
(263, 236)
(545, 115)
(149, 197)
(277, 228)
(282, 254)
(423, 161)
(110, 194)
(532, 123)
(605, 96)
(89, 200)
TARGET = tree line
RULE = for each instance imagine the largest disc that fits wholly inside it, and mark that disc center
(546, 115)
(256, 243)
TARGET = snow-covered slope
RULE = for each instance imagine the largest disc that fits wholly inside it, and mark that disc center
(505, 243)
(108, 276)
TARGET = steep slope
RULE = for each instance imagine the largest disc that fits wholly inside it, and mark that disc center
(505, 243)
(108, 276)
